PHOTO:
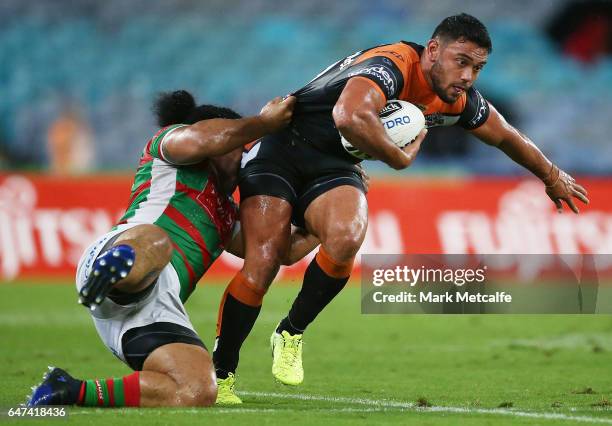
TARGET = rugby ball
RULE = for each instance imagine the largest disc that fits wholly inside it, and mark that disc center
(403, 122)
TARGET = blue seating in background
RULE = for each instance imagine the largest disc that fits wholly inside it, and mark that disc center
(114, 63)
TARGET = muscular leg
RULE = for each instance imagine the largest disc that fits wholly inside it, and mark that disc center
(339, 219)
(178, 375)
(151, 250)
(266, 228)
(173, 375)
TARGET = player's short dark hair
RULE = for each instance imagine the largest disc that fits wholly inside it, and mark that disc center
(179, 107)
(465, 27)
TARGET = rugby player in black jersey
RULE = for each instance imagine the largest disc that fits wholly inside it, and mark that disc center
(303, 174)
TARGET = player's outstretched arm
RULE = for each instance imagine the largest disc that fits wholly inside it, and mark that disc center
(208, 138)
(356, 118)
(302, 243)
(560, 186)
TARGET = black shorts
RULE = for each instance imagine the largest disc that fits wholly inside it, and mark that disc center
(139, 342)
(286, 166)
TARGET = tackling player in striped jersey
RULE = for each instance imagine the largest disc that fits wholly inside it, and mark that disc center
(136, 278)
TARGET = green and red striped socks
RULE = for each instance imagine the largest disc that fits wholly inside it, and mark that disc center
(124, 392)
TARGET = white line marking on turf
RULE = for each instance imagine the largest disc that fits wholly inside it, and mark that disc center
(389, 404)
(344, 400)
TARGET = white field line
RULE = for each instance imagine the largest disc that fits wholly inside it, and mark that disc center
(402, 406)
(364, 405)
(383, 403)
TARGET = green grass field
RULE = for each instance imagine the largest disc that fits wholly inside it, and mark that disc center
(360, 369)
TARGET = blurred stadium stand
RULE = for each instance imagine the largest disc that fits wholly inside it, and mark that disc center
(112, 57)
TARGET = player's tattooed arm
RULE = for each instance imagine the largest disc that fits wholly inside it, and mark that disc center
(208, 138)
(356, 118)
(302, 243)
(560, 186)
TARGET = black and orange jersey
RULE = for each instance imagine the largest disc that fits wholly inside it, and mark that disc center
(394, 69)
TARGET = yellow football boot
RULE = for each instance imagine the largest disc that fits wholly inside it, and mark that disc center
(287, 358)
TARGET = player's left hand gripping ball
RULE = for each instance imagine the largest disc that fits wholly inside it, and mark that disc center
(110, 267)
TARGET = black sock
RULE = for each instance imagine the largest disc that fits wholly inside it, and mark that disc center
(317, 291)
(237, 321)
(285, 325)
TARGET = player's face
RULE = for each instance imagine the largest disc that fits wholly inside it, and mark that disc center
(456, 68)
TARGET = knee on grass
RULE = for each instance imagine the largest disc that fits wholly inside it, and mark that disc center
(197, 393)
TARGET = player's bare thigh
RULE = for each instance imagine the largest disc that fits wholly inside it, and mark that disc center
(339, 218)
(153, 249)
(266, 227)
(178, 375)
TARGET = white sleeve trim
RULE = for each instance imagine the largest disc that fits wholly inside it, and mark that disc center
(161, 144)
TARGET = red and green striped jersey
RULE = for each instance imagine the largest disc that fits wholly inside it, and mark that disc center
(185, 202)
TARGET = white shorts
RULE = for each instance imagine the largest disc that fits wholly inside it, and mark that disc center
(112, 320)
